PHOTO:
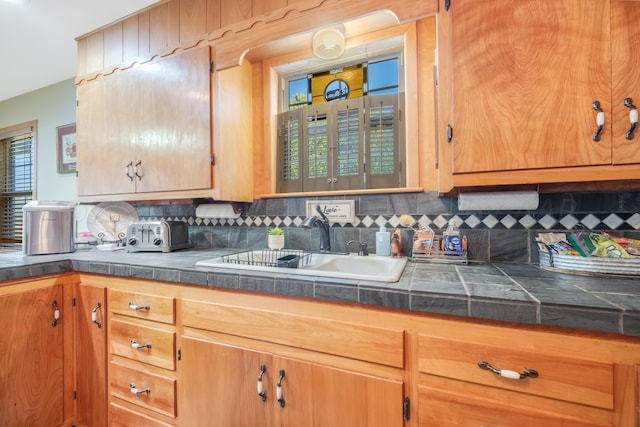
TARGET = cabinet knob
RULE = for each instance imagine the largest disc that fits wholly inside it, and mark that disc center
(599, 120)
(633, 118)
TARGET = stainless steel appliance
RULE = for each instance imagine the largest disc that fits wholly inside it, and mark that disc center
(157, 236)
(47, 228)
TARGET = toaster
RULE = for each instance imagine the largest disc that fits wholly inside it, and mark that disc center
(157, 236)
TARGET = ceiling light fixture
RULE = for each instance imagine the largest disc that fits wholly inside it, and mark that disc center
(328, 43)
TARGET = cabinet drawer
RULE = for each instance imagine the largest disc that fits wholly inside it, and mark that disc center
(145, 344)
(439, 408)
(348, 339)
(142, 306)
(562, 377)
(162, 390)
(120, 416)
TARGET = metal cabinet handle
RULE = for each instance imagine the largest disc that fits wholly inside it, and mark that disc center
(261, 392)
(633, 118)
(527, 373)
(139, 170)
(279, 397)
(137, 391)
(137, 346)
(56, 313)
(133, 306)
(94, 315)
(599, 120)
(127, 170)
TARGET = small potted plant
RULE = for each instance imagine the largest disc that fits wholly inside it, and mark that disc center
(275, 238)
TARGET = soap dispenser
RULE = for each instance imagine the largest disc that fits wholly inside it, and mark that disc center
(383, 242)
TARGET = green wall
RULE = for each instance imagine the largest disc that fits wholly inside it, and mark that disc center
(51, 106)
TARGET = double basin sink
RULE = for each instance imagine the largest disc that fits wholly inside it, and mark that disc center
(332, 265)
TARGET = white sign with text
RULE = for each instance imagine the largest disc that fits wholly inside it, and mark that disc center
(335, 210)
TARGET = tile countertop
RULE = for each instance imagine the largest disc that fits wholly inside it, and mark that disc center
(511, 292)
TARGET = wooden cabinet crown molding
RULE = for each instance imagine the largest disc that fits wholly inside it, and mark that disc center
(175, 25)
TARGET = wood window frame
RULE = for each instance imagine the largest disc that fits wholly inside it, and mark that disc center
(272, 102)
(11, 202)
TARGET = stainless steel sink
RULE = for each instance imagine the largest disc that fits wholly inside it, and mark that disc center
(339, 266)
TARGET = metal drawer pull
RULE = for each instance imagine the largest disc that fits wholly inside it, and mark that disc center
(56, 313)
(599, 120)
(633, 117)
(136, 391)
(94, 315)
(527, 373)
(127, 170)
(279, 397)
(261, 391)
(132, 306)
(139, 171)
(135, 345)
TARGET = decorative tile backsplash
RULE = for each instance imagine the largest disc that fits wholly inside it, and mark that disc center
(492, 235)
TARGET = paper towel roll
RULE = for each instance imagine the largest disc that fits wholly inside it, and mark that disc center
(499, 201)
(216, 210)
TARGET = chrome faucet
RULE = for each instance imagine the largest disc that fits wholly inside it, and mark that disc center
(322, 223)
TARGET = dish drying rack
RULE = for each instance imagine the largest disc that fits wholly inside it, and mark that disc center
(287, 258)
(435, 254)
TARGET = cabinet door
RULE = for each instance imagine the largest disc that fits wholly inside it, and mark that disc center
(31, 359)
(106, 116)
(438, 408)
(173, 141)
(91, 355)
(147, 129)
(219, 382)
(525, 74)
(625, 67)
(318, 395)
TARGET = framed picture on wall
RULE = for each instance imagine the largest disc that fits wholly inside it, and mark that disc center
(66, 148)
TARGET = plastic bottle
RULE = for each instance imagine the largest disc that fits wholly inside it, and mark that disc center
(452, 239)
(383, 242)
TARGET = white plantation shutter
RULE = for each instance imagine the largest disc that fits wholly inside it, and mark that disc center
(349, 144)
(16, 189)
(384, 133)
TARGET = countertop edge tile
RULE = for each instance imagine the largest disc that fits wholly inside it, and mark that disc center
(557, 299)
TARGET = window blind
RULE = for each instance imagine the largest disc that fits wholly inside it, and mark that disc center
(16, 188)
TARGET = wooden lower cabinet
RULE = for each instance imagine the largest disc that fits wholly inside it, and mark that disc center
(444, 409)
(142, 356)
(499, 377)
(325, 396)
(242, 387)
(91, 355)
(31, 357)
(125, 417)
(348, 365)
(220, 382)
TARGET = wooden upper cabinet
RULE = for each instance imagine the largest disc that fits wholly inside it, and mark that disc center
(524, 76)
(233, 11)
(625, 72)
(147, 129)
